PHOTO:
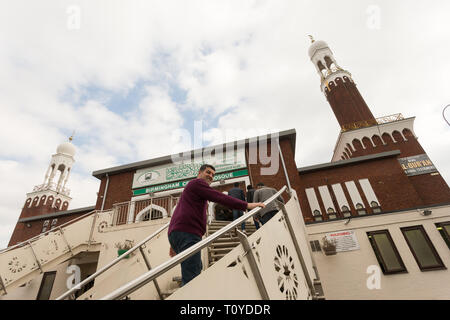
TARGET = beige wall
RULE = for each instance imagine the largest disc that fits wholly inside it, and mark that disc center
(344, 275)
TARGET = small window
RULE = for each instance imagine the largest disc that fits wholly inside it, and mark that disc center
(54, 222)
(45, 226)
(386, 252)
(375, 207)
(331, 213)
(46, 286)
(360, 209)
(315, 246)
(346, 212)
(422, 248)
(444, 230)
(317, 215)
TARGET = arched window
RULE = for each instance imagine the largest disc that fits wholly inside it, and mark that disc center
(346, 211)
(152, 212)
(375, 207)
(360, 209)
(331, 213)
(317, 215)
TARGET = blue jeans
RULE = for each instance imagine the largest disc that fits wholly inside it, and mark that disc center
(236, 215)
(191, 267)
(269, 215)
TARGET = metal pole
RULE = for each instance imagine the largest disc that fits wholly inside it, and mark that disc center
(253, 265)
(65, 240)
(149, 267)
(36, 258)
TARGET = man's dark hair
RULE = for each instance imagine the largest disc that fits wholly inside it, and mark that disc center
(260, 184)
(204, 166)
(249, 187)
(236, 184)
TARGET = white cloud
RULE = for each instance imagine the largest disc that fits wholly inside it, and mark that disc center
(243, 60)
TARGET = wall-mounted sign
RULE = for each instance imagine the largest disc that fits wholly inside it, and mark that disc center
(416, 165)
(182, 184)
(175, 172)
(345, 240)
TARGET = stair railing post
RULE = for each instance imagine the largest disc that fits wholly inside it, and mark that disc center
(253, 265)
(297, 249)
(65, 240)
(149, 267)
(2, 285)
(35, 257)
(94, 220)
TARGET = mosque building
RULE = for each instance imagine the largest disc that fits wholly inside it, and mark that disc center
(380, 204)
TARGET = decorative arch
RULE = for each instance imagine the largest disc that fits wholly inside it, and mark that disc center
(357, 145)
(367, 143)
(407, 134)
(397, 136)
(377, 140)
(387, 138)
(141, 214)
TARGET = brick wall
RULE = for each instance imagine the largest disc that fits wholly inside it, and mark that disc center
(392, 187)
(22, 232)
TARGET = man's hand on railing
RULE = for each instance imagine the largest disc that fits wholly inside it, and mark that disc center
(251, 206)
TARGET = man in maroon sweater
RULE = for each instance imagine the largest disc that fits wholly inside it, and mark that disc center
(188, 223)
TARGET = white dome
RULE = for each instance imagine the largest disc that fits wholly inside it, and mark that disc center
(316, 45)
(66, 148)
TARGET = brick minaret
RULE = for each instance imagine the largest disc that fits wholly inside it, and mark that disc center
(51, 196)
(340, 90)
(362, 134)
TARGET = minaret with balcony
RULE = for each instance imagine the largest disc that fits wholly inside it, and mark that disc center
(52, 195)
(362, 134)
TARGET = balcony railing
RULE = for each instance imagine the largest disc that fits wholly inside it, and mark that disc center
(370, 123)
(51, 186)
(126, 212)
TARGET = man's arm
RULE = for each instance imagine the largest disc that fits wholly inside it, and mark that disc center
(204, 191)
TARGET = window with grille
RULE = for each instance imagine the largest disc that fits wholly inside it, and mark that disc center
(315, 245)
(152, 214)
(45, 225)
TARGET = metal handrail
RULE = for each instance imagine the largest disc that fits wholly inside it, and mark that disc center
(169, 264)
(112, 263)
(26, 242)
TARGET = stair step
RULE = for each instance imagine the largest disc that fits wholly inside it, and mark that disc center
(225, 244)
(220, 250)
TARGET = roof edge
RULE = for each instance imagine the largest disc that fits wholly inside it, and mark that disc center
(341, 163)
(286, 134)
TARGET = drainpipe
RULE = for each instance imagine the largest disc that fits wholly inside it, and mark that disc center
(106, 189)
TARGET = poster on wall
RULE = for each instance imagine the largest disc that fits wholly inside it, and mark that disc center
(415, 165)
(345, 240)
(171, 172)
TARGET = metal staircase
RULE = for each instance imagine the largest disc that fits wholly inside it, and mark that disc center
(224, 244)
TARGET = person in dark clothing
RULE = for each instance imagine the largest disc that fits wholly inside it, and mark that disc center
(188, 223)
(250, 193)
(262, 194)
(237, 193)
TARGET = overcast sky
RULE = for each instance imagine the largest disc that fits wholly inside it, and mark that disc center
(129, 76)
